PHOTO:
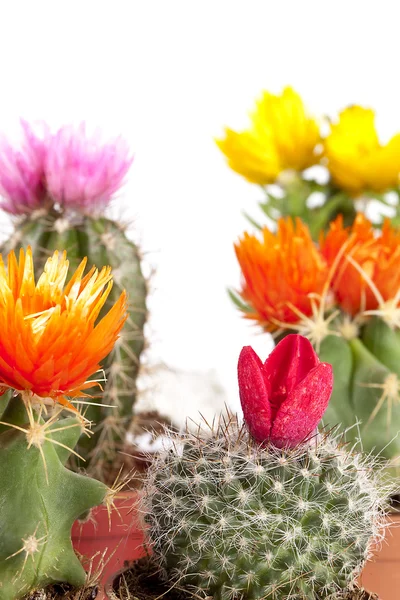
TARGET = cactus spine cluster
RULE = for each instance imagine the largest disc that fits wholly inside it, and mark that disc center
(40, 499)
(230, 518)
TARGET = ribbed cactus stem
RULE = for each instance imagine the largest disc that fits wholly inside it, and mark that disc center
(45, 231)
(107, 244)
(366, 391)
(40, 500)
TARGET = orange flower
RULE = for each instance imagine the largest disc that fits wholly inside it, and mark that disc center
(368, 273)
(279, 272)
(49, 343)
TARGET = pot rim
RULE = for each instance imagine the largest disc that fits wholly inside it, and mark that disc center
(109, 585)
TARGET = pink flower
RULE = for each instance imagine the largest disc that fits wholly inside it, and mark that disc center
(22, 183)
(81, 173)
(284, 399)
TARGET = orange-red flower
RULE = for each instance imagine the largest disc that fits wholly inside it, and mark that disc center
(279, 272)
(49, 342)
(368, 271)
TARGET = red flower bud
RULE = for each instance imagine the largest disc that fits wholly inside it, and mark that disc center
(284, 399)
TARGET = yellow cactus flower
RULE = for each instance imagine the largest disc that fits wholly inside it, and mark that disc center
(356, 159)
(281, 136)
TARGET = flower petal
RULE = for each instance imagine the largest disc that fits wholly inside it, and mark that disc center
(253, 391)
(302, 410)
(52, 342)
(287, 365)
(279, 271)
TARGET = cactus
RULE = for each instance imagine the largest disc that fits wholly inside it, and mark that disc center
(367, 391)
(51, 345)
(67, 212)
(40, 500)
(231, 516)
(108, 244)
(343, 296)
(103, 242)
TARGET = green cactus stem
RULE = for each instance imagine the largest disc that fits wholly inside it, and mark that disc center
(365, 398)
(40, 500)
(383, 342)
(107, 244)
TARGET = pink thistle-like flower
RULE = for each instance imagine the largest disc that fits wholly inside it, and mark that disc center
(284, 399)
(22, 184)
(83, 174)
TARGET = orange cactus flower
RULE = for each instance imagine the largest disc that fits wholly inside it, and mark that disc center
(368, 274)
(49, 343)
(279, 273)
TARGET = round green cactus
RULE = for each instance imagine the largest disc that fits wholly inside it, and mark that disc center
(230, 518)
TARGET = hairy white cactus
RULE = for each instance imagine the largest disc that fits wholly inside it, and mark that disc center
(231, 518)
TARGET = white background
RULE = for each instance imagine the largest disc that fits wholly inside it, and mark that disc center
(169, 75)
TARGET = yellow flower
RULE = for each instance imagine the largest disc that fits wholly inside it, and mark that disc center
(282, 136)
(356, 159)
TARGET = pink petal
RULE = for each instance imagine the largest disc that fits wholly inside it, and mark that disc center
(301, 412)
(287, 365)
(82, 172)
(253, 391)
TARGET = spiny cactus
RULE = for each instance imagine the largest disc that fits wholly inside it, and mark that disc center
(231, 517)
(344, 296)
(51, 345)
(40, 500)
(367, 389)
(65, 210)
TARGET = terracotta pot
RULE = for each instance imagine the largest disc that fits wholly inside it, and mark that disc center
(382, 573)
(106, 593)
(120, 534)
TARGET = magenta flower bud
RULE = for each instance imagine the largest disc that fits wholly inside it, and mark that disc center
(284, 399)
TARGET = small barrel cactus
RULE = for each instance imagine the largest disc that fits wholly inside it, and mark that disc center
(51, 345)
(344, 296)
(271, 509)
(57, 190)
